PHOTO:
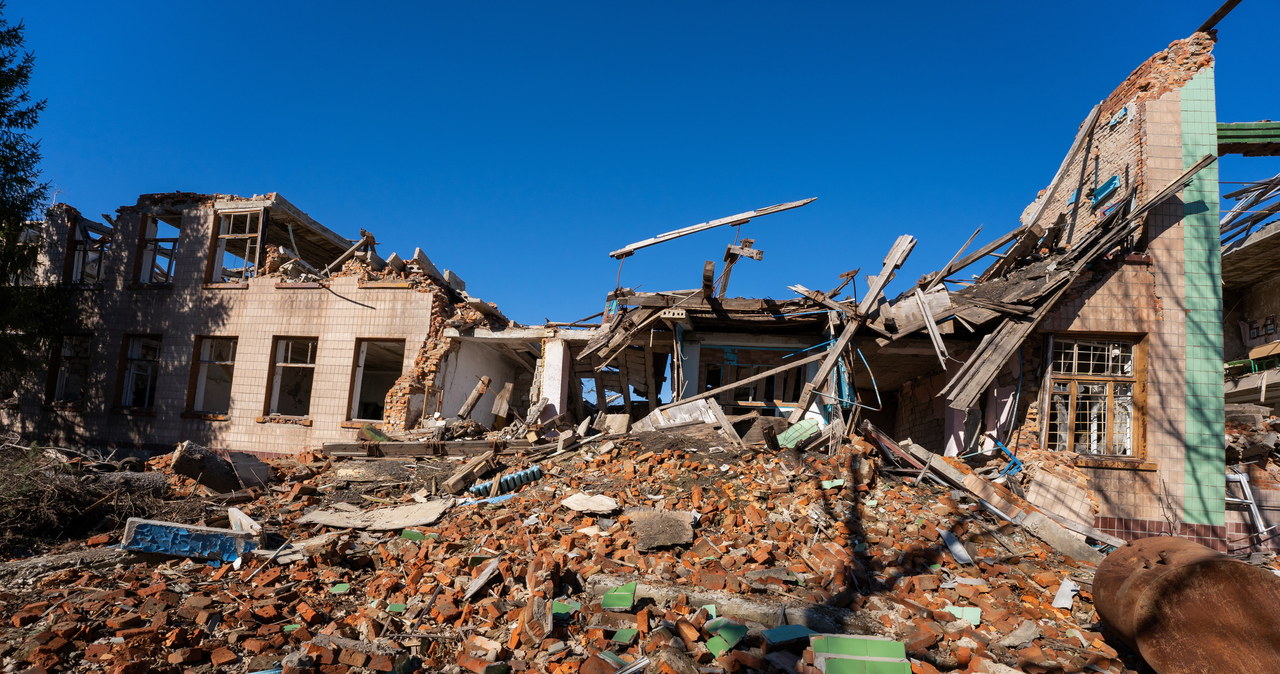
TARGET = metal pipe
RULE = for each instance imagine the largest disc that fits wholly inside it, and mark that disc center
(1186, 608)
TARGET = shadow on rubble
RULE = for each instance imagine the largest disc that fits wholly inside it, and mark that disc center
(867, 576)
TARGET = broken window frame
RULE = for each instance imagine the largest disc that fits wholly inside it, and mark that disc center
(289, 354)
(140, 371)
(86, 252)
(358, 374)
(226, 240)
(1109, 376)
(67, 360)
(206, 359)
(153, 248)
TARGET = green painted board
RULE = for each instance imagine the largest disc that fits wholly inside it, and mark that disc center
(784, 634)
(728, 630)
(565, 608)
(619, 598)
(718, 646)
(799, 432)
(341, 588)
(972, 614)
(625, 636)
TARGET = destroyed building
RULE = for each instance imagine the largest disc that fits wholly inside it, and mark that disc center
(1013, 463)
(242, 323)
(1088, 341)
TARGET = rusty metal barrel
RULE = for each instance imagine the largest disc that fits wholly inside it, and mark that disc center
(1186, 608)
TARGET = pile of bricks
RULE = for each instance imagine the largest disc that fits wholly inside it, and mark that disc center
(783, 546)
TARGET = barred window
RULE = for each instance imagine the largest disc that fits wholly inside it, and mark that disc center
(1091, 397)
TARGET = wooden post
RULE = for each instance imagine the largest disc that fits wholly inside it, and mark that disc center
(481, 387)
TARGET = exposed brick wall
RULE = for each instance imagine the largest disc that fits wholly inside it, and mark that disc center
(920, 413)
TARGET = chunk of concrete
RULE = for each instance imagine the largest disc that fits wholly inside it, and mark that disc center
(204, 466)
(660, 528)
(590, 503)
(379, 519)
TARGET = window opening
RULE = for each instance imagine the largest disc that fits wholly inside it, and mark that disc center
(142, 368)
(1091, 404)
(159, 240)
(378, 366)
(295, 369)
(236, 256)
(72, 376)
(213, 378)
(88, 246)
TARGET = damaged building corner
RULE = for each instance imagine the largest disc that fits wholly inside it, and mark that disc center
(340, 461)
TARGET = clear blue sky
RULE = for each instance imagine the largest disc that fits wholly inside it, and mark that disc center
(518, 143)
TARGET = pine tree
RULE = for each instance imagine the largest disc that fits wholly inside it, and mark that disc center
(25, 312)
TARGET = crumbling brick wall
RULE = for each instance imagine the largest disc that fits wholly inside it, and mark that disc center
(1119, 136)
(446, 312)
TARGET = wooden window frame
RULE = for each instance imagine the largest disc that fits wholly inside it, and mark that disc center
(217, 247)
(1138, 459)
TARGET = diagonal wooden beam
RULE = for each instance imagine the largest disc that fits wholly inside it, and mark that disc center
(738, 219)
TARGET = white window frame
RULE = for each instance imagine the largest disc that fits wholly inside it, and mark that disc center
(284, 348)
(202, 373)
(152, 243)
(137, 365)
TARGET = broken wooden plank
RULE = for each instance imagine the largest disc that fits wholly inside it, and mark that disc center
(708, 279)
(892, 262)
(738, 219)
(470, 472)
(980, 253)
(731, 256)
(831, 357)
(938, 276)
(932, 329)
(470, 404)
(502, 401)
(822, 298)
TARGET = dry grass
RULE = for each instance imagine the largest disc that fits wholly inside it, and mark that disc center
(41, 503)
